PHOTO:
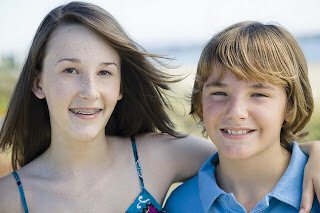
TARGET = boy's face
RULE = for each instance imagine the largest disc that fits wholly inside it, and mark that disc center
(243, 118)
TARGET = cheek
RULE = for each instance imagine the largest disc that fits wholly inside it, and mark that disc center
(58, 92)
(112, 91)
(212, 107)
(212, 112)
(272, 116)
(61, 91)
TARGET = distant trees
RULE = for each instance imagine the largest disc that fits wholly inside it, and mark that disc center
(9, 71)
(8, 63)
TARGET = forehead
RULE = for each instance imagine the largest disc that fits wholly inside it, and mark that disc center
(228, 78)
(218, 72)
(75, 40)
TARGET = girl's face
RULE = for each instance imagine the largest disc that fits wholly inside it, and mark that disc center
(80, 81)
(243, 118)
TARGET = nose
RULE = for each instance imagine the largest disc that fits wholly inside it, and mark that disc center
(237, 109)
(89, 88)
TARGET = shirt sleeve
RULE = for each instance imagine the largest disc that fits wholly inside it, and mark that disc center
(184, 198)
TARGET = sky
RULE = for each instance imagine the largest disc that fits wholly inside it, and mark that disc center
(165, 22)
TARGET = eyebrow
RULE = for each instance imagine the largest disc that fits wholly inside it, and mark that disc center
(74, 60)
(215, 84)
(222, 85)
(110, 63)
(261, 86)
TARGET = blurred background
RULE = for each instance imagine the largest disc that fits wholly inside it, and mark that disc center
(175, 28)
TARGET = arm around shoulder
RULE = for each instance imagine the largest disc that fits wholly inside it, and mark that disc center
(311, 180)
(178, 158)
(188, 154)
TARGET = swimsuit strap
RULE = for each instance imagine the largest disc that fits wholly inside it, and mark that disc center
(23, 198)
(136, 158)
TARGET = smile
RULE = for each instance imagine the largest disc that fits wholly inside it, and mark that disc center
(85, 111)
(236, 132)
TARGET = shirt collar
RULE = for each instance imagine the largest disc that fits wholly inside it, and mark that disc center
(209, 191)
(289, 187)
(287, 190)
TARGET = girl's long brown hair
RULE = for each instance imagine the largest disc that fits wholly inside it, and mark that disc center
(26, 128)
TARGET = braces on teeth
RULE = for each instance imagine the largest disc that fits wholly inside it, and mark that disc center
(85, 112)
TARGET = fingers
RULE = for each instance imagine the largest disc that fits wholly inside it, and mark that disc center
(307, 197)
(311, 181)
(316, 185)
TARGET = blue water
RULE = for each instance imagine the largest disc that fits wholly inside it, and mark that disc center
(189, 54)
(311, 48)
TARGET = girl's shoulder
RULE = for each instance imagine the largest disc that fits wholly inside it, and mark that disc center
(170, 146)
(9, 193)
(164, 140)
(179, 156)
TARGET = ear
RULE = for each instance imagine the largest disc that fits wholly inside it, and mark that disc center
(120, 96)
(37, 89)
(287, 115)
(289, 112)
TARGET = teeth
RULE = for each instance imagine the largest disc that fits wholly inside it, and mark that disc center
(235, 132)
(85, 112)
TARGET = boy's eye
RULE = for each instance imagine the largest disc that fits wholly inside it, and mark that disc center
(104, 72)
(70, 70)
(258, 95)
(219, 93)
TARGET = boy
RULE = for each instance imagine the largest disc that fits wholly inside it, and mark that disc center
(253, 95)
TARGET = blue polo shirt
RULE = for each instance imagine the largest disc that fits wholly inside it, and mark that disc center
(202, 194)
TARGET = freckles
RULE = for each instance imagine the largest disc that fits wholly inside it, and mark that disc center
(109, 91)
(58, 88)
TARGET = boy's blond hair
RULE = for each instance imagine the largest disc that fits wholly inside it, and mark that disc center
(261, 52)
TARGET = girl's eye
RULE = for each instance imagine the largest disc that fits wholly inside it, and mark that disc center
(258, 95)
(104, 72)
(70, 70)
(219, 93)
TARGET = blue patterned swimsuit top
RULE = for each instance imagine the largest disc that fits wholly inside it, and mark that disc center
(144, 203)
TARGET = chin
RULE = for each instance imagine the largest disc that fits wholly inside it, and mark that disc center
(235, 154)
(86, 135)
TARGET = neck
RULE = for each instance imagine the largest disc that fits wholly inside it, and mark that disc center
(252, 178)
(71, 158)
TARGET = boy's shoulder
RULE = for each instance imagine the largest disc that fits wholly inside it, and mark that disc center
(185, 198)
